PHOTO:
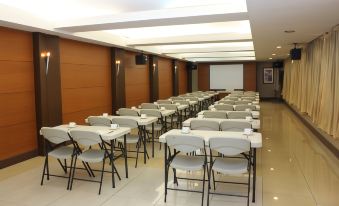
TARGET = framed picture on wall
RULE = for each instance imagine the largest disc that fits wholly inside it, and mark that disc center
(268, 75)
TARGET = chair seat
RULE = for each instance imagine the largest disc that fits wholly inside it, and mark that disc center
(157, 127)
(191, 163)
(230, 165)
(63, 152)
(92, 155)
(130, 139)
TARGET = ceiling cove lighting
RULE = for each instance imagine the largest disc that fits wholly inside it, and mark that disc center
(232, 5)
(279, 47)
(214, 54)
(237, 27)
(220, 59)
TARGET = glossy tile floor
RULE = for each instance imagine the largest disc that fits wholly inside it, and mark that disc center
(294, 168)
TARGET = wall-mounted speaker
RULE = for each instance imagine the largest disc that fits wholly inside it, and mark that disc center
(191, 66)
(140, 59)
(295, 54)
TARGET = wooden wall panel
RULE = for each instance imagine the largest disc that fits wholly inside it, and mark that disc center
(250, 76)
(182, 77)
(85, 80)
(137, 83)
(17, 105)
(165, 78)
(203, 77)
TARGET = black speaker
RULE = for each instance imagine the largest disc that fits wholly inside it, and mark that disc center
(191, 66)
(278, 64)
(140, 59)
(295, 54)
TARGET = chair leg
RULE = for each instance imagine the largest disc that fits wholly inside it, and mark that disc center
(209, 186)
(43, 172)
(175, 179)
(136, 160)
(102, 175)
(47, 168)
(70, 173)
(72, 178)
(203, 186)
(249, 186)
(213, 179)
(166, 181)
(113, 167)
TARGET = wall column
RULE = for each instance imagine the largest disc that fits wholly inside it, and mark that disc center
(118, 79)
(46, 57)
(175, 74)
(154, 78)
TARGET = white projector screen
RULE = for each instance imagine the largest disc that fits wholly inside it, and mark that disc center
(227, 77)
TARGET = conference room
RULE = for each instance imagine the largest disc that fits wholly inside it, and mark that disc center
(169, 102)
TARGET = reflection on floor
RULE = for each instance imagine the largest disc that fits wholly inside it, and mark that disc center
(293, 169)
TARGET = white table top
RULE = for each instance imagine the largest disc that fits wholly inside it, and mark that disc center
(141, 121)
(255, 114)
(255, 138)
(164, 113)
(256, 102)
(106, 132)
(255, 122)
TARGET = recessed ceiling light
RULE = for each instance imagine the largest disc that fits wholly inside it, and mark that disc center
(273, 54)
(289, 31)
(271, 168)
(288, 54)
(275, 198)
(270, 58)
(269, 150)
(278, 47)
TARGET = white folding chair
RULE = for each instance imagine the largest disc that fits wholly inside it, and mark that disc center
(243, 107)
(91, 155)
(238, 115)
(183, 144)
(215, 114)
(202, 124)
(223, 107)
(128, 112)
(234, 126)
(229, 147)
(54, 147)
(149, 106)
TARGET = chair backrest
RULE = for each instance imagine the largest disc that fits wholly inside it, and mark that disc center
(250, 98)
(230, 102)
(244, 107)
(149, 106)
(86, 138)
(151, 112)
(215, 114)
(128, 112)
(99, 121)
(164, 102)
(242, 102)
(223, 107)
(177, 98)
(125, 122)
(234, 126)
(55, 135)
(238, 115)
(231, 98)
(201, 124)
(181, 102)
(169, 106)
(230, 146)
(185, 143)
(192, 98)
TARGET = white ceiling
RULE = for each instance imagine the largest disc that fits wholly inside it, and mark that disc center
(195, 30)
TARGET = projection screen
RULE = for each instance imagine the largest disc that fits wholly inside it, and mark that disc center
(227, 77)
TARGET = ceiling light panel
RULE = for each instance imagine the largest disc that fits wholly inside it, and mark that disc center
(232, 27)
(220, 59)
(215, 54)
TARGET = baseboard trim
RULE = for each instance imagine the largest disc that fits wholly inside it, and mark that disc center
(18, 158)
(326, 139)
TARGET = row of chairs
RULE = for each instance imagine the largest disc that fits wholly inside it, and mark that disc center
(227, 162)
(228, 107)
(231, 126)
(235, 102)
(56, 147)
(227, 115)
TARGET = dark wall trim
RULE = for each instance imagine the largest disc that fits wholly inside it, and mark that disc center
(175, 74)
(118, 79)
(324, 138)
(189, 80)
(154, 78)
(47, 83)
(19, 158)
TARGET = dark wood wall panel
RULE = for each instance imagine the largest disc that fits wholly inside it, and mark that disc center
(203, 77)
(165, 78)
(136, 81)
(17, 105)
(250, 76)
(182, 77)
(85, 80)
